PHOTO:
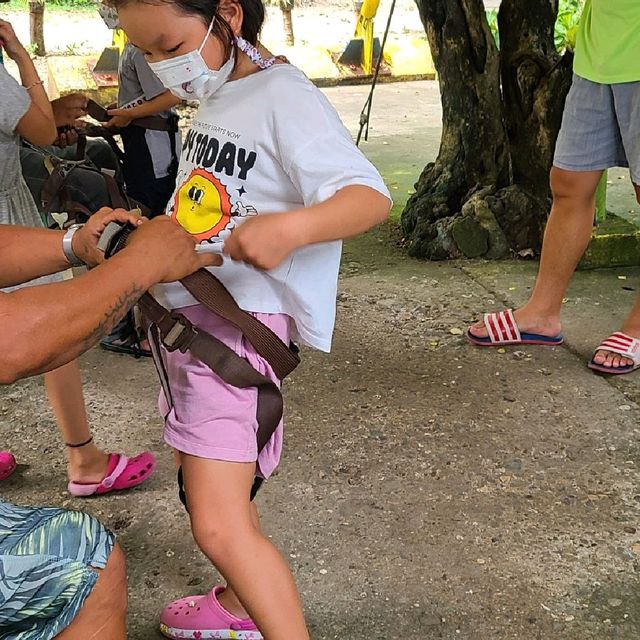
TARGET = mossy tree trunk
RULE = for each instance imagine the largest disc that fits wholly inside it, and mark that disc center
(487, 192)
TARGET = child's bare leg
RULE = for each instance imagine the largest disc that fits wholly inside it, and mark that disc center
(228, 598)
(64, 388)
(221, 520)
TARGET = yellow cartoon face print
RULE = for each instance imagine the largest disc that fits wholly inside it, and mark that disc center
(202, 206)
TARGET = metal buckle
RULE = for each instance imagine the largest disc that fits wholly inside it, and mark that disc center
(181, 334)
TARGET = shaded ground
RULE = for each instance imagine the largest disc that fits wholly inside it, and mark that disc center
(429, 489)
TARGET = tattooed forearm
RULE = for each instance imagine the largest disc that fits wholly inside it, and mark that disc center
(114, 314)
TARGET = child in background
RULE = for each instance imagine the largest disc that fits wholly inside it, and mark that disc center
(269, 173)
(26, 111)
(148, 127)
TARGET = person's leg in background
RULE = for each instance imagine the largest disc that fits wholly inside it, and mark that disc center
(627, 103)
(85, 464)
(103, 615)
(566, 238)
(589, 142)
(88, 465)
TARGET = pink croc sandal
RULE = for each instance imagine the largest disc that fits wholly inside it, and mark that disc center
(204, 618)
(7, 464)
(122, 473)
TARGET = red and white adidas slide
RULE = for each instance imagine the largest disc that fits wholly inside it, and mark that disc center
(623, 345)
(503, 331)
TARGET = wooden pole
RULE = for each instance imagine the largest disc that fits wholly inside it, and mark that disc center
(36, 19)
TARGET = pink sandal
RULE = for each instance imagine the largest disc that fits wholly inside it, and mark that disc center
(7, 464)
(122, 473)
(204, 618)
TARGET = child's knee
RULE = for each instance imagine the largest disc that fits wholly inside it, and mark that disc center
(218, 538)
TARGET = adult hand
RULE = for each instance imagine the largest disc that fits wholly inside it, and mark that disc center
(168, 249)
(67, 109)
(10, 42)
(85, 240)
(67, 137)
(264, 241)
(119, 118)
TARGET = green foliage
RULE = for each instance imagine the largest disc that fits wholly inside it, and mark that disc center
(285, 5)
(56, 5)
(566, 30)
(567, 24)
(492, 19)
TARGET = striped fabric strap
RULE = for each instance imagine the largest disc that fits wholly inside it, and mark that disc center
(110, 480)
(502, 327)
(623, 345)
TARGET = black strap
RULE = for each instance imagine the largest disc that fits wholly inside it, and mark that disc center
(157, 123)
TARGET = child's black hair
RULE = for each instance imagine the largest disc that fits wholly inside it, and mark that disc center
(252, 21)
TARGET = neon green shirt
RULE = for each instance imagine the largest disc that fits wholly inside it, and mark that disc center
(608, 42)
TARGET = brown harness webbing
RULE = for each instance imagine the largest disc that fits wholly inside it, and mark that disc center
(213, 295)
(174, 332)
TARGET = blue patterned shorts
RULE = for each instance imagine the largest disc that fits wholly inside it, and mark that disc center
(46, 560)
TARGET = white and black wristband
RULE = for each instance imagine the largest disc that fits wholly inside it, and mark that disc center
(67, 246)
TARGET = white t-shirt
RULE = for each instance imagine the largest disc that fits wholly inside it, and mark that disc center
(268, 143)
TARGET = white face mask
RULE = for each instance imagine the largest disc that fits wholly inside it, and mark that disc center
(188, 76)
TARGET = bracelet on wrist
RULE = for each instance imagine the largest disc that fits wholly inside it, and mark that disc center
(67, 246)
(34, 84)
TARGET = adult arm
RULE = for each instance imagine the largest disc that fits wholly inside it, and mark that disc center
(44, 327)
(37, 125)
(26, 254)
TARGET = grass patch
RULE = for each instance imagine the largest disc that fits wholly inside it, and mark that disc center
(55, 6)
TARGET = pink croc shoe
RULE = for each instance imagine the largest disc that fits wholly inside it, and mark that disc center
(122, 473)
(204, 618)
(7, 464)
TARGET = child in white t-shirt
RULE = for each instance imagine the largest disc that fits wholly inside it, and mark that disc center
(269, 176)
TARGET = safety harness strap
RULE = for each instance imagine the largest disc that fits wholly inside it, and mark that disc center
(213, 295)
(176, 332)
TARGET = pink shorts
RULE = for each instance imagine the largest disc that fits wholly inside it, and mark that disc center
(211, 419)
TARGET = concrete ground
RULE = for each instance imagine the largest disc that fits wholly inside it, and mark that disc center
(428, 489)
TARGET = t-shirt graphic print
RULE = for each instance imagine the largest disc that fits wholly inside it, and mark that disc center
(208, 199)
